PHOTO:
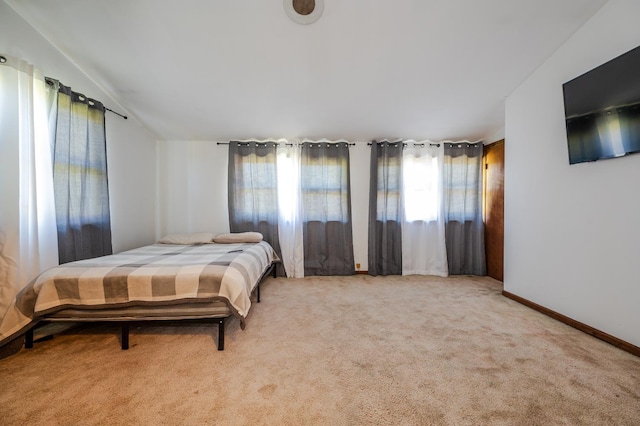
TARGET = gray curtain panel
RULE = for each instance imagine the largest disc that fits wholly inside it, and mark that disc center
(326, 209)
(464, 228)
(80, 178)
(253, 189)
(385, 209)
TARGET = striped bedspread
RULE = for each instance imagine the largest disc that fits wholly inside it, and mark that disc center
(158, 274)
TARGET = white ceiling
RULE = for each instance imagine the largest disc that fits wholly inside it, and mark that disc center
(237, 69)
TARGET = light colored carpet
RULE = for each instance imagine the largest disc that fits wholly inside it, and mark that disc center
(334, 350)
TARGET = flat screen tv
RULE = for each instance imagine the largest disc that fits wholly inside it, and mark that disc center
(602, 110)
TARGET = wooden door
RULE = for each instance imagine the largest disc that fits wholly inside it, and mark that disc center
(493, 208)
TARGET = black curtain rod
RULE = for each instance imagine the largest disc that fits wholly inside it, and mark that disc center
(52, 81)
(116, 113)
(286, 144)
(259, 143)
(405, 143)
(432, 144)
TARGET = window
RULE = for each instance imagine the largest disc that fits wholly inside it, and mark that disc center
(296, 196)
(440, 230)
(420, 186)
(462, 191)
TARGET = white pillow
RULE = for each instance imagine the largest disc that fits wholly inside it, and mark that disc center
(193, 238)
(238, 237)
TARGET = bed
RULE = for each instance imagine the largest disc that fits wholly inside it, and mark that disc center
(160, 282)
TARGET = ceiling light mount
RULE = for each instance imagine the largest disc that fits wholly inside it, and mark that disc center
(304, 11)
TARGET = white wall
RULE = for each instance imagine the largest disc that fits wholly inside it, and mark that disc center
(131, 150)
(193, 190)
(131, 156)
(192, 184)
(571, 232)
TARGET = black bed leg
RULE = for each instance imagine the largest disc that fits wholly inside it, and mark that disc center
(28, 339)
(125, 336)
(221, 334)
(258, 293)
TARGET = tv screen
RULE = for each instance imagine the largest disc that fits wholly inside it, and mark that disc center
(602, 110)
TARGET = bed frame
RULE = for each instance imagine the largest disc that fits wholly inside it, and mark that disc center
(216, 311)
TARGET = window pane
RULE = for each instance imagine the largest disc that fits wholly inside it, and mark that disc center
(420, 181)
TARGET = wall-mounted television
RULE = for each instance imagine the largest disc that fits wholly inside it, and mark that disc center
(602, 110)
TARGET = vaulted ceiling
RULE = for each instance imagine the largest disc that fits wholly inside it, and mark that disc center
(237, 69)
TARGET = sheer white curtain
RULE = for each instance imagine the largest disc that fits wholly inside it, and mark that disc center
(290, 208)
(28, 240)
(423, 228)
